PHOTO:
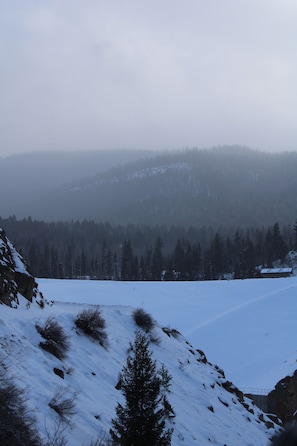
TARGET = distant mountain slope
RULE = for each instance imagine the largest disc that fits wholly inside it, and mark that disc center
(225, 186)
(27, 178)
(228, 186)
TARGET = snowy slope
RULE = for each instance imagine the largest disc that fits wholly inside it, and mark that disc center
(247, 327)
(208, 407)
(206, 413)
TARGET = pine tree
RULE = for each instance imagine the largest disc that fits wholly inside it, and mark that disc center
(295, 233)
(217, 256)
(127, 261)
(142, 421)
(279, 246)
(158, 260)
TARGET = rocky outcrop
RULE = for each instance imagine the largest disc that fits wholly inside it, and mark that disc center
(15, 278)
(283, 399)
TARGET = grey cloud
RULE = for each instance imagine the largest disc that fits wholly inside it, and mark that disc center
(152, 74)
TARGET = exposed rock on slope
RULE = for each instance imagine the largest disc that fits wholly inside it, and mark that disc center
(283, 399)
(14, 275)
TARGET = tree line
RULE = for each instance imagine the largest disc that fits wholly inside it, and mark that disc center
(100, 251)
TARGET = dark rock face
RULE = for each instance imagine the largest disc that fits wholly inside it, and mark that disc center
(284, 399)
(14, 275)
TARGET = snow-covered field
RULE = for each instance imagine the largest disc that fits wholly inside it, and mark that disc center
(247, 327)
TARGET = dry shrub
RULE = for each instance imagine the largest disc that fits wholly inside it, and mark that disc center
(56, 341)
(92, 324)
(64, 405)
(143, 319)
(17, 425)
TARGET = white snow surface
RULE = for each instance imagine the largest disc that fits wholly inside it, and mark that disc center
(246, 327)
(19, 264)
(158, 170)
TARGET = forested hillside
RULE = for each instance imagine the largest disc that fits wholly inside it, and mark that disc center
(217, 187)
(184, 215)
(222, 187)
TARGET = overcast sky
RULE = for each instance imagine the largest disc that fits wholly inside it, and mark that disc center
(151, 74)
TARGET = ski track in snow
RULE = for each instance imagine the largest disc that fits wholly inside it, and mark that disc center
(238, 307)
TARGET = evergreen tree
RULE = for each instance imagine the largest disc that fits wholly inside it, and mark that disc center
(295, 234)
(178, 260)
(217, 257)
(275, 245)
(208, 268)
(247, 259)
(115, 266)
(103, 260)
(142, 421)
(158, 260)
(279, 245)
(127, 261)
(269, 249)
(135, 269)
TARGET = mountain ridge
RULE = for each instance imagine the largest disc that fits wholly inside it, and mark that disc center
(216, 187)
(219, 187)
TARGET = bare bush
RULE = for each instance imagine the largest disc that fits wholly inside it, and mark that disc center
(143, 319)
(92, 324)
(56, 436)
(64, 405)
(17, 425)
(56, 340)
(103, 439)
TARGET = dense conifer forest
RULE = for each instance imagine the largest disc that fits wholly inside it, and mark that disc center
(93, 250)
